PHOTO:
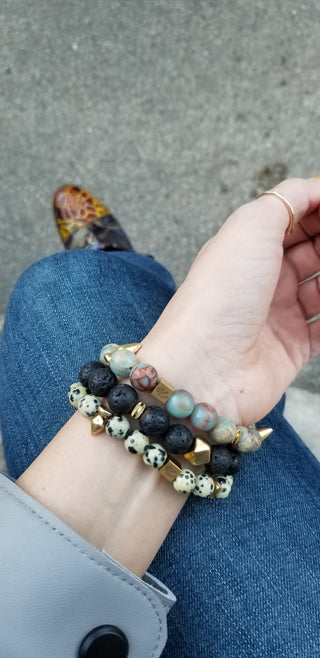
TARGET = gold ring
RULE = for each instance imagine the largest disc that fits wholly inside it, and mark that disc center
(288, 205)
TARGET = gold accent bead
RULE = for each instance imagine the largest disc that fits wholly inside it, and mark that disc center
(97, 424)
(105, 413)
(131, 347)
(200, 453)
(217, 488)
(237, 437)
(171, 469)
(162, 391)
(264, 432)
(138, 410)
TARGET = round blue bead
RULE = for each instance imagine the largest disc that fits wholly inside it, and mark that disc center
(122, 361)
(107, 350)
(180, 404)
(204, 416)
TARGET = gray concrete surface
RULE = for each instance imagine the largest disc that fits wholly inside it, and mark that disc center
(172, 112)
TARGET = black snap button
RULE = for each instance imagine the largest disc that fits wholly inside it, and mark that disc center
(104, 642)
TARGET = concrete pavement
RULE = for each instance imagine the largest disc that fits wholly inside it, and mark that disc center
(173, 113)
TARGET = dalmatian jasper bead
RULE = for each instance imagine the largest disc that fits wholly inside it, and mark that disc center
(88, 406)
(249, 440)
(226, 482)
(154, 455)
(75, 393)
(204, 485)
(185, 482)
(136, 442)
(117, 426)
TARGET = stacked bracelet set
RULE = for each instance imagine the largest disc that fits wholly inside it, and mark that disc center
(220, 452)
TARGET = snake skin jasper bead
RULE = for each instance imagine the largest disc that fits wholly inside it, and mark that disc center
(204, 416)
(75, 393)
(117, 426)
(224, 431)
(154, 455)
(144, 377)
(87, 369)
(122, 399)
(204, 485)
(185, 482)
(154, 421)
(122, 361)
(178, 439)
(220, 461)
(136, 442)
(249, 440)
(180, 404)
(101, 381)
(88, 406)
(106, 351)
(226, 482)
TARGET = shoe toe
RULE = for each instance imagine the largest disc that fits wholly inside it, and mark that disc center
(74, 207)
(84, 222)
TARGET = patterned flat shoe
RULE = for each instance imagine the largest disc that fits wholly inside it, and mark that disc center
(84, 223)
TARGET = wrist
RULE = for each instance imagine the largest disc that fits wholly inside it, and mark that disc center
(185, 367)
(103, 493)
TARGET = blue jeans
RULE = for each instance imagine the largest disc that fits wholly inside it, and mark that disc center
(246, 570)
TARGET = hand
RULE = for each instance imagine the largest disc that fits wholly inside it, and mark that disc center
(235, 333)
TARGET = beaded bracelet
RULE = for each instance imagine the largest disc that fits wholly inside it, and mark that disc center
(99, 379)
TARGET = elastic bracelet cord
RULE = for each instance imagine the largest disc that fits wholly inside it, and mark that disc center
(147, 430)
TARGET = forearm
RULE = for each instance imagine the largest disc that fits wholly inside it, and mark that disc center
(105, 494)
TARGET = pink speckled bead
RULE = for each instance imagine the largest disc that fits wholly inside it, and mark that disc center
(143, 377)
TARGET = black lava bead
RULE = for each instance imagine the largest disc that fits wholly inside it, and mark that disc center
(155, 421)
(220, 461)
(178, 439)
(236, 463)
(101, 381)
(122, 399)
(87, 370)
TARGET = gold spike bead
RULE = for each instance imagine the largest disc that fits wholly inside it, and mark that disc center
(108, 356)
(97, 424)
(217, 488)
(138, 410)
(200, 453)
(162, 391)
(171, 469)
(131, 347)
(264, 432)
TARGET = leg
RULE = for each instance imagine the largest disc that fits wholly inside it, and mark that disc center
(62, 311)
(246, 571)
